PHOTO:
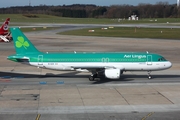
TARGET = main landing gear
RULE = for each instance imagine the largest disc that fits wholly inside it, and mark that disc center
(93, 77)
(149, 75)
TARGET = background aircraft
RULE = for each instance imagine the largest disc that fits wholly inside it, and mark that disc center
(4, 34)
(109, 64)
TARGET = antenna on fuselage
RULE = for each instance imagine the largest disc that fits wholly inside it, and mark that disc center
(147, 52)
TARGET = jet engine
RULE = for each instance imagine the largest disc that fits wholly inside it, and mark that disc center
(112, 73)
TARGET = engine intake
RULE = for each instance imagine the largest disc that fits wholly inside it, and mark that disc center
(112, 73)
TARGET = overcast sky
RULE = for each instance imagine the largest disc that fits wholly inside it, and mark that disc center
(8, 3)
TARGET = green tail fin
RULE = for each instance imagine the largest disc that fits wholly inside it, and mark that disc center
(21, 43)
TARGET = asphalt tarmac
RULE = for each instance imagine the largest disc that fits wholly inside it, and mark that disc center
(28, 92)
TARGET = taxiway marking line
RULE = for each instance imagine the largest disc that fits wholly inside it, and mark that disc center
(147, 116)
(38, 116)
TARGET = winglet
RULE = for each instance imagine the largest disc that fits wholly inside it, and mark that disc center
(21, 43)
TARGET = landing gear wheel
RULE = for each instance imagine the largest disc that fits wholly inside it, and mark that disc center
(149, 75)
(91, 78)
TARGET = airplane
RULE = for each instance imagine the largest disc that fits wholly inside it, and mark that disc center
(4, 34)
(109, 64)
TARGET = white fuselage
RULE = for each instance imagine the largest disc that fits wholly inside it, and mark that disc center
(125, 66)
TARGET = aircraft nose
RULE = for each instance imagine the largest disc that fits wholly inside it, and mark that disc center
(168, 64)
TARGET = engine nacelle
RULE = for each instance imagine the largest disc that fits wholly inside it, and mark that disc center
(112, 73)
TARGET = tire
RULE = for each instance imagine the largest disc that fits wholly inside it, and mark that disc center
(91, 78)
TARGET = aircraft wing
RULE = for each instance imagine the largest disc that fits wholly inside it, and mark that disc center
(92, 67)
(4, 38)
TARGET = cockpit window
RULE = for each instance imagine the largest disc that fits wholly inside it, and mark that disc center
(162, 59)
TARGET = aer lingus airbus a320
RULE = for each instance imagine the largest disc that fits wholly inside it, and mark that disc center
(109, 64)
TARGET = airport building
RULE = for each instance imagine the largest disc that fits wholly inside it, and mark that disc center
(133, 17)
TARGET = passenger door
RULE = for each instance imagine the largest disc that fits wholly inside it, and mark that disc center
(149, 60)
(40, 60)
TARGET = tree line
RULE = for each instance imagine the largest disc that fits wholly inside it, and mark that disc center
(158, 10)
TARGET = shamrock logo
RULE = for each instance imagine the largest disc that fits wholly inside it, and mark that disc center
(20, 42)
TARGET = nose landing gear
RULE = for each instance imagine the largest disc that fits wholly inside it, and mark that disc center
(149, 75)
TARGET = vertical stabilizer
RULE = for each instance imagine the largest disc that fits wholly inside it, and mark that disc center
(21, 43)
(4, 27)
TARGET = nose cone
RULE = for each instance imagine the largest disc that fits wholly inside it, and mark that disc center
(168, 65)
